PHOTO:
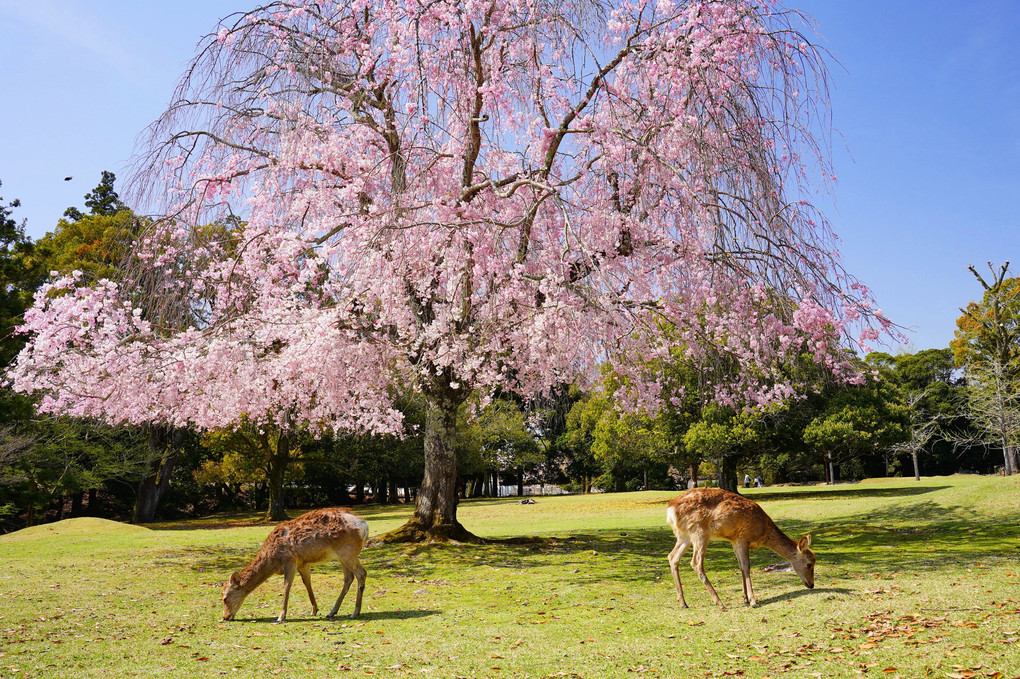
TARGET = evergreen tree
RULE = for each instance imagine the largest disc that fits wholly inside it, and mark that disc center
(102, 200)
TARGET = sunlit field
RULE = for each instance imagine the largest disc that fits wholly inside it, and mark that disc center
(913, 579)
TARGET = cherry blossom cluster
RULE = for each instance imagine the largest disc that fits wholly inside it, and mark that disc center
(467, 195)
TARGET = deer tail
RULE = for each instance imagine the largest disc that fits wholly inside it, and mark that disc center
(671, 516)
(362, 527)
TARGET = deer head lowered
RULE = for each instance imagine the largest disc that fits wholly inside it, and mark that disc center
(292, 547)
(704, 514)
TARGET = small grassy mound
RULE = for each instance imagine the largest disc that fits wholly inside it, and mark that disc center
(85, 525)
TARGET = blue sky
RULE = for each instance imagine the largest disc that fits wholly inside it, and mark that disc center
(925, 98)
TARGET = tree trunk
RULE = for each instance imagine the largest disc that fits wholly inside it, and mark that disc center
(30, 509)
(359, 492)
(153, 487)
(917, 466)
(93, 502)
(435, 512)
(520, 481)
(1007, 456)
(343, 495)
(278, 461)
(728, 473)
(393, 497)
(77, 502)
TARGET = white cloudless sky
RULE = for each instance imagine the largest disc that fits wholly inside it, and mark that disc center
(925, 98)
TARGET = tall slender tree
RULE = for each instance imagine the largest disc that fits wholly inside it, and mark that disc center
(468, 196)
(987, 346)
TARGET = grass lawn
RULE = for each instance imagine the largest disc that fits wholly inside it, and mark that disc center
(913, 579)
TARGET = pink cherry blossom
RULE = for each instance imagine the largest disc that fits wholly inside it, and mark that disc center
(460, 196)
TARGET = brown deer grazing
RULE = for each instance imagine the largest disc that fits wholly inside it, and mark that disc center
(292, 547)
(704, 514)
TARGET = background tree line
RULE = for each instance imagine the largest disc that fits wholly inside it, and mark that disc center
(937, 411)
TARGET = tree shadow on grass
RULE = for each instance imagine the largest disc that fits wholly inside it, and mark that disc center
(917, 536)
(838, 492)
(249, 519)
(381, 512)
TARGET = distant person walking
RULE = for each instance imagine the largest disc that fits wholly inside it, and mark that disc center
(747, 480)
(757, 482)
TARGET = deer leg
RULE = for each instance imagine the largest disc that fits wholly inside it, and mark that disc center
(348, 579)
(288, 580)
(359, 572)
(674, 566)
(306, 577)
(698, 564)
(744, 561)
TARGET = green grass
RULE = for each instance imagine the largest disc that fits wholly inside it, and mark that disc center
(913, 579)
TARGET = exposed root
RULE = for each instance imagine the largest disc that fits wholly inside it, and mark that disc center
(415, 532)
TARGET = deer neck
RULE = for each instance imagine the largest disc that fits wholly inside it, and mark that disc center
(255, 573)
(780, 543)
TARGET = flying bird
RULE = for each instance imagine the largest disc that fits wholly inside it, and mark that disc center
(67, 179)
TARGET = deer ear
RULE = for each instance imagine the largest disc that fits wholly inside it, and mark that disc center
(235, 579)
(804, 543)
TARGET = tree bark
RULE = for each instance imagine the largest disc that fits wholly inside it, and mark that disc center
(1007, 455)
(30, 510)
(435, 512)
(278, 461)
(153, 487)
(728, 473)
(917, 466)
